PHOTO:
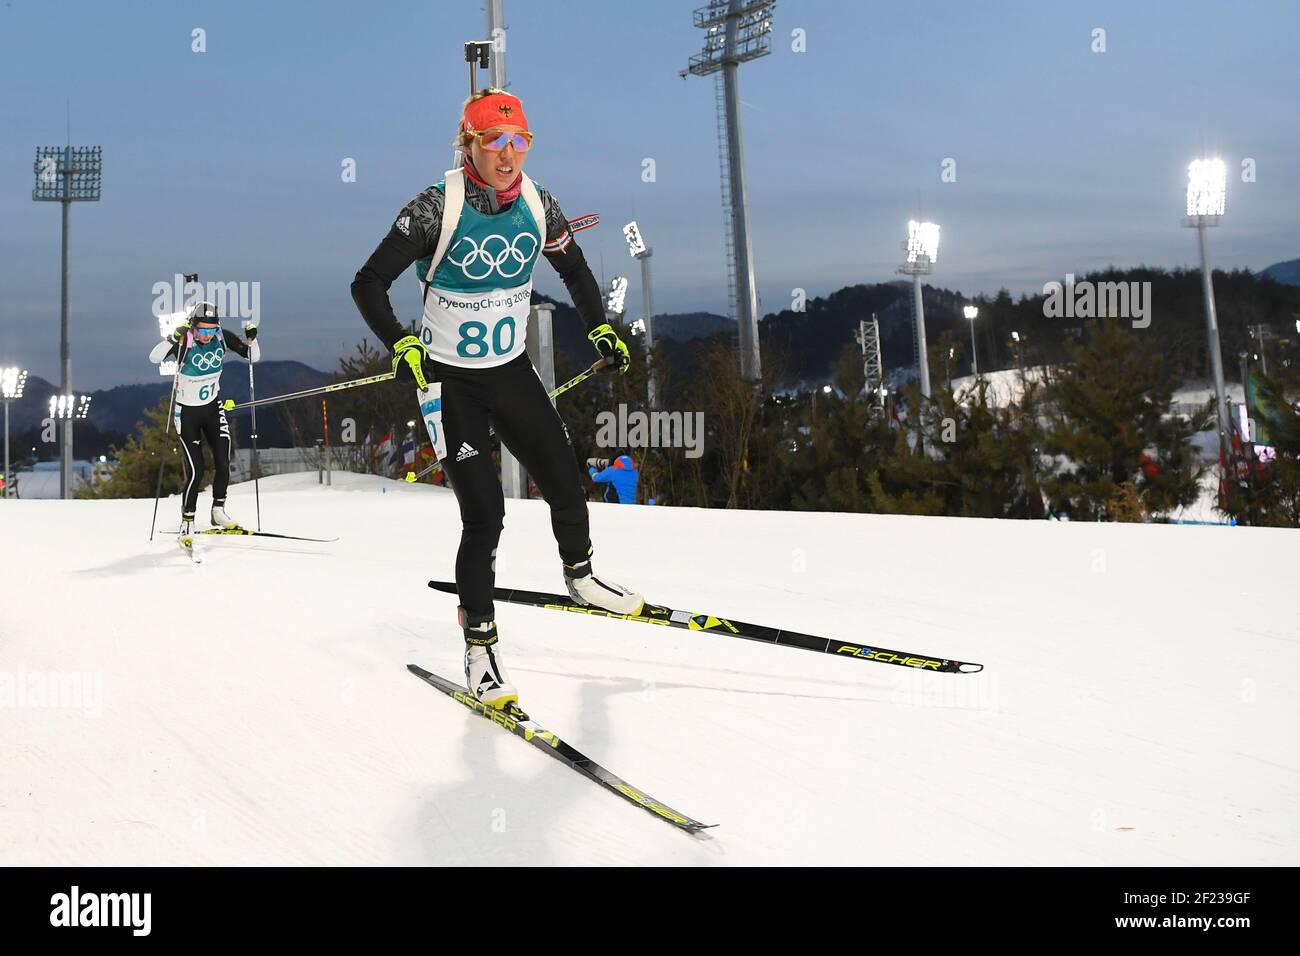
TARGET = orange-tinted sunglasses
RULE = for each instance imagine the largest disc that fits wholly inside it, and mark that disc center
(497, 140)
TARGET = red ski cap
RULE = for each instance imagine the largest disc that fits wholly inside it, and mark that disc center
(495, 109)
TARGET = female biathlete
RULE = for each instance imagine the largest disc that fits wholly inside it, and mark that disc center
(200, 348)
(475, 238)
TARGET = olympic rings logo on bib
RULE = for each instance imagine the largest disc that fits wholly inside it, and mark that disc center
(206, 361)
(483, 262)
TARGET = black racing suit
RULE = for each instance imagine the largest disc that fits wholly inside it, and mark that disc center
(509, 397)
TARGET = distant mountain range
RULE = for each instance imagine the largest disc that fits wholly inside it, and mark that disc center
(680, 327)
(121, 408)
(691, 325)
(1288, 272)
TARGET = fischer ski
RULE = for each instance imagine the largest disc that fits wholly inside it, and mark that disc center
(519, 724)
(258, 534)
(725, 627)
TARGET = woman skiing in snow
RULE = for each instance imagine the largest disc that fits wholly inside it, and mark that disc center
(475, 238)
(200, 348)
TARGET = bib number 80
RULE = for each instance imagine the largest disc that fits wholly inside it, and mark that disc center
(474, 338)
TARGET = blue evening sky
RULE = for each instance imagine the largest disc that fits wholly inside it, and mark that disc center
(228, 162)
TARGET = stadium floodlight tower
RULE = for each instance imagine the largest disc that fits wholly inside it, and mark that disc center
(66, 409)
(922, 247)
(67, 174)
(1207, 192)
(637, 249)
(737, 31)
(971, 312)
(12, 382)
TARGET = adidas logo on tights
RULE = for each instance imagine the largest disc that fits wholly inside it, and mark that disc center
(465, 451)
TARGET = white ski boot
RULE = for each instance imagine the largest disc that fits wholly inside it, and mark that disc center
(220, 519)
(486, 679)
(585, 588)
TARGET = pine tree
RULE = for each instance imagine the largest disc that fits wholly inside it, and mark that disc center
(834, 444)
(974, 458)
(1108, 418)
(1267, 493)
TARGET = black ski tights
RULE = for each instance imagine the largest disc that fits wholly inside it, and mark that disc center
(204, 421)
(513, 399)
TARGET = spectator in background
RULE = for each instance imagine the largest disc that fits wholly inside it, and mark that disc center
(619, 477)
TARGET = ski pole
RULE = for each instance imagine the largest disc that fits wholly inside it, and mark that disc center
(581, 377)
(230, 405)
(412, 477)
(257, 494)
(171, 405)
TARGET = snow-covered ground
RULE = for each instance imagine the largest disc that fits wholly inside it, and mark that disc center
(1004, 386)
(1139, 703)
(1007, 385)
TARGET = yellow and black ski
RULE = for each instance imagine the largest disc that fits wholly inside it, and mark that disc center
(241, 532)
(724, 627)
(521, 725)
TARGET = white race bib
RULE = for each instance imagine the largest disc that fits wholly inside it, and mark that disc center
(197, 389)
(476, 329)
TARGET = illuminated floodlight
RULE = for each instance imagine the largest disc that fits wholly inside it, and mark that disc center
(167, 368)
(635, 244)
(12, 382)
(971, 311)
(922, 241)
(1016, 336)
(922, 248)
(1207, 193)
(637, 327)
(617, 294)
(1207, 187)
(68, 173)
(69, 407)
(169, 322)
